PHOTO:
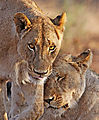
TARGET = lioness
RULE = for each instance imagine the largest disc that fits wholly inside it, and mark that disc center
(30, 36)
(72, 90)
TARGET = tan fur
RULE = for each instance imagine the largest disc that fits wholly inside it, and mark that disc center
(3, 99)
(27, 95)
(22, 25)
(73, 92)
(2, 108)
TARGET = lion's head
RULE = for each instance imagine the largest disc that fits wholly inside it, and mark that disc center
(65, 86)
(39, 41)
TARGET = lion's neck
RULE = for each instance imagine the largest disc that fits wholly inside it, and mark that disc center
(91, 77)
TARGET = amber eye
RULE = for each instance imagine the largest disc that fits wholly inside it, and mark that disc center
(52, 48)
(31, 47)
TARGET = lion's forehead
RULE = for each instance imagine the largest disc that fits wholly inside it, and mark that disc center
(42, 25)
(42, 35)
(62, 81)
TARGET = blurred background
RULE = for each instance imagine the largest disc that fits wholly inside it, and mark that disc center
(82, 27)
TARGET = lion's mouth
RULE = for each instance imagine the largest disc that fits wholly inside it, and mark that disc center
(35, 77)
(66, 106)
(38, 75)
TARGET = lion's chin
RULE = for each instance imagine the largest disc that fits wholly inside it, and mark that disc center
(55, 112)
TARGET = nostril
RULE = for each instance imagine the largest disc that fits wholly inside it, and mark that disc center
(40, 73)
(49, 100)
(66, 106)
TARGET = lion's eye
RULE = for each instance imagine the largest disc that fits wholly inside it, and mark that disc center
(31, 47)
(52, 48)
(60, 78)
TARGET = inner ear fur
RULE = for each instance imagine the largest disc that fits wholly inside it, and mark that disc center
(60, 21)
(82, 61)
(22, 23)
(85, 58)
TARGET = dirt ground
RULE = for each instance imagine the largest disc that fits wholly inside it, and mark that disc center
(82, 28)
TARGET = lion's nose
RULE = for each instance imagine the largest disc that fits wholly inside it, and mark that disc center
(49, 100)
(40, 72)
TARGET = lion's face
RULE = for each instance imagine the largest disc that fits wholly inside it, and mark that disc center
(66, 84)
(39, 45)
(62, 87)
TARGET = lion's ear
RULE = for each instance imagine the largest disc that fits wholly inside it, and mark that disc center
(83, 61)
(60, 21)
(22, 23)
(85, 58)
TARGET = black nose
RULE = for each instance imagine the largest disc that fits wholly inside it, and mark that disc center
(49, 100)
(40, 73)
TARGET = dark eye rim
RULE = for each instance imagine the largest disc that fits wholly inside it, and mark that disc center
(49, 100)
(31, 48)
(54, 48)
(61, 78)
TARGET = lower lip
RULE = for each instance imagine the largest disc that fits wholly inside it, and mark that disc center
(35, 77)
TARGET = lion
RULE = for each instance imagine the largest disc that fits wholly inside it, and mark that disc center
(71, 92)
(30, 36)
